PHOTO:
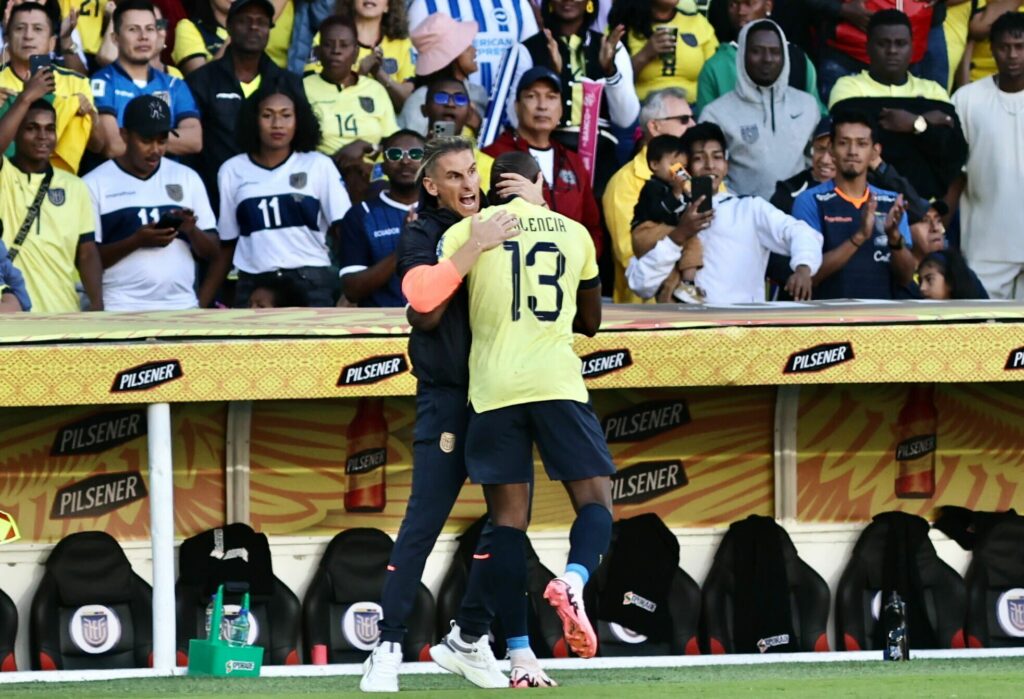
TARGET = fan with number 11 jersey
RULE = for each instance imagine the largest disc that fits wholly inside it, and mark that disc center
(522, 302)
(280, 216)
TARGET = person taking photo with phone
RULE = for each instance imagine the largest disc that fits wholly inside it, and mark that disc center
(736, 240)
(153, 218)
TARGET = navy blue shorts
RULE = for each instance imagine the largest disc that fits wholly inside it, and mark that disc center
(499, 443)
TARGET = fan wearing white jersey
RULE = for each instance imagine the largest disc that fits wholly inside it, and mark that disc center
(153, 219)
(501, 25)
(278, 200)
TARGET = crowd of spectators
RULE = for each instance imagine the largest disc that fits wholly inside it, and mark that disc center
(174, 154)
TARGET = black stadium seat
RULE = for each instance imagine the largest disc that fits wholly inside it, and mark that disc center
(8, 631)
(995, 587)
(759, 596)
(895, 553)
(342, 605)
(238, 558)
(544, 627)
(90, 610)
(639, 599)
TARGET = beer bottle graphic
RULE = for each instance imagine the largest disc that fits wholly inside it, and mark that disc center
(366, 456)
(915, 448)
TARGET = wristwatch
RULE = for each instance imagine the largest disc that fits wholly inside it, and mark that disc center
(898, 245)
(920, 125)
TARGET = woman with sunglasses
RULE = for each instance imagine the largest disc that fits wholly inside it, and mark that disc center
(575, 52)
(355, 111)
(277, 200)
(365, 251)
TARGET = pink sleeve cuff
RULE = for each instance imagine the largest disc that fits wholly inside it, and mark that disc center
(428, 286)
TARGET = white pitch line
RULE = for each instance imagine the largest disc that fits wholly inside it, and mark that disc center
(631, 663)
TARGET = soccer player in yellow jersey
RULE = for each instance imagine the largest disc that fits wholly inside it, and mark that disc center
(526, 298)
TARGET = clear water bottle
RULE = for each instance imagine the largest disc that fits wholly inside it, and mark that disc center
(238, 633)
(897, 640)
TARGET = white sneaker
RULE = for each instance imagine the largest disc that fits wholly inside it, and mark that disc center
(523, 677)
(380, 669)
(474, 661)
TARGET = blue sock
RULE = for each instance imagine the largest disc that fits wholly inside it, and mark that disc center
(579, 570)
(518, 642)
(589, 538)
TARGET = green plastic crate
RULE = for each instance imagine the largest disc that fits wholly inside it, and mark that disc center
(216, 657)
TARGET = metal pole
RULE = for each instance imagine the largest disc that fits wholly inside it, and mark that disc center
(161, 525)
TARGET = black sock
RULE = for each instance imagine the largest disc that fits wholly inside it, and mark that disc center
(504, 575)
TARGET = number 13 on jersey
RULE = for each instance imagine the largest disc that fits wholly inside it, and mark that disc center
(540, 254)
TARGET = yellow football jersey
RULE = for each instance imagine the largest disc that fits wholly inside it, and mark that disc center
(47, 256)
(399, 58)
(73, 129)
(362, 111)
(90, 21)
(695, 44)
(189, 42)
(522, 302)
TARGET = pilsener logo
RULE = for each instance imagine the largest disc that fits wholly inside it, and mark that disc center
(147, 376)
(1015, 360)
(98, 495)
(605, 362)
(97, 433)
(373, 370)
(645, 420)
(646, 481)
(818, 358)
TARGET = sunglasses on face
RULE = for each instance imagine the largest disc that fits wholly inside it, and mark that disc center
(683, 119)
(396, 154)
(161, 25)
(459, 99)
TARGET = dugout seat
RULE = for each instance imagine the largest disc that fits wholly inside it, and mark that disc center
(239, 558)
(8, 631)
(760, 596)
(544, 626)
(995, 588)
(894, 553)
(342, 605)
(639, 599)
(90, 611)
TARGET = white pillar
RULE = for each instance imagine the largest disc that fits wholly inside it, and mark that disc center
(161, 525)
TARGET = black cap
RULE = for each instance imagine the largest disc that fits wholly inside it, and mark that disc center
(824, 128)
(148, 116)
(536, 74)
(941, 207)
(239, 5)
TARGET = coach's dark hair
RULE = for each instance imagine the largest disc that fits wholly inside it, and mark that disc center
(50, 9)
(701, 133)
(888, 18)
(514, 162)
(853, 116)
(1007, 24)
(129, 6)
(663, 145)
(307, 128)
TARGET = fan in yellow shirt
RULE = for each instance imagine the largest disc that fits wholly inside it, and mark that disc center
(984, 16)
(350, 107)
(204, 37)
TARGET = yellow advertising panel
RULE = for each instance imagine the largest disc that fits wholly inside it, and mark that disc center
(65, 470)
(869, 449)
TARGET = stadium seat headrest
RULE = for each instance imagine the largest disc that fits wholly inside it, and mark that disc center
(355, 562)
(90, 568)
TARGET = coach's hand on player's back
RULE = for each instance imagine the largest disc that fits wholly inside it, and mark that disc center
(494, 231)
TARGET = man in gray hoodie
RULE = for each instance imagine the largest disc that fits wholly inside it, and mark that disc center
(767, 123)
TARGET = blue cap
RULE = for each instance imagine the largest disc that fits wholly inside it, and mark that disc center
(535, 75)
(824, 128)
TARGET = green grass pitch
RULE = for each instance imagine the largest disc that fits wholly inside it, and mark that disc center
(919, 678)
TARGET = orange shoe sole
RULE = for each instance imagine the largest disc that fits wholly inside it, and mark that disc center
(576, 628)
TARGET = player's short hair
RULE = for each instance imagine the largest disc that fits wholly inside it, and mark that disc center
(307, 128)
(660, 146)
(887, 18)
(514, 162)
(129, 6)
(701, 133)
(853, 116)
(1007, 24)
(51, 10)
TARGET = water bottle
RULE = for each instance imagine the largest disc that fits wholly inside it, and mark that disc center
(209, 614)
(894, 618)
(239, 630)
